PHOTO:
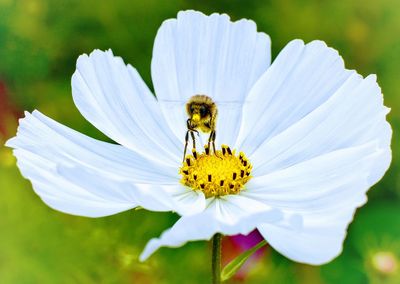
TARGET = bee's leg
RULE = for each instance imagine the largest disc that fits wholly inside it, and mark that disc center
(192, 130)
(209, 140)
(213, 141)
(186, 143)
(193, 138)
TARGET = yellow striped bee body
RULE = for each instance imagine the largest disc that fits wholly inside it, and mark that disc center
(202, 112)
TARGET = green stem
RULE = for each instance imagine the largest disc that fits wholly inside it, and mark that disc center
(216, 258)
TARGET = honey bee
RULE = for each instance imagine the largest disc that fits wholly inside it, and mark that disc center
(202, 112)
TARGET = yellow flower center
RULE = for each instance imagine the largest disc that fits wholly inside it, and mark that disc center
(216, 174)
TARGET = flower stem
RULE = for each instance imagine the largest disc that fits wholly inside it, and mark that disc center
(216, 258)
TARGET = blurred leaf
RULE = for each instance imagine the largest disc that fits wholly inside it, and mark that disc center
(232, 267)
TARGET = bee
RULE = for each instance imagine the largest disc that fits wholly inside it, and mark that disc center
(202, 112)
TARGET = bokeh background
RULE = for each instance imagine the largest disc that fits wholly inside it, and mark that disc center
(39, 43)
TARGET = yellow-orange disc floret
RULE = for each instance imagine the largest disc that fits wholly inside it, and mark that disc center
(216, 174)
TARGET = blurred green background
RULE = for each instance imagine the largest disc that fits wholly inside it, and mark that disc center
(39, 43)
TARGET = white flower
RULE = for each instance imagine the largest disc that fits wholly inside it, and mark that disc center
(314, 132)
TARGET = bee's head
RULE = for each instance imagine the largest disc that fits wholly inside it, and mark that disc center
(201, 108)
(198, 112)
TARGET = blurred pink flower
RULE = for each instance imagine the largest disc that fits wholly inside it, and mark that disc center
(9, 114)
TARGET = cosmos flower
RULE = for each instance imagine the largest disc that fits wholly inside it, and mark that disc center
(299, 141)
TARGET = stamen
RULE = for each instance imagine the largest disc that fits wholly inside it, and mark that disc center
(216, 173)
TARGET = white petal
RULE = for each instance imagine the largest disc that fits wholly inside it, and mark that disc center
(354, 115)
(321, 140)
(154, 197)
(57, 143)
(324, 192)
(114, 98)
(79, 175)
(300, 79)
(228, 123)
(185, 201)
(228, 215)
(313, 245)
(62, 195)
(199, 54)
